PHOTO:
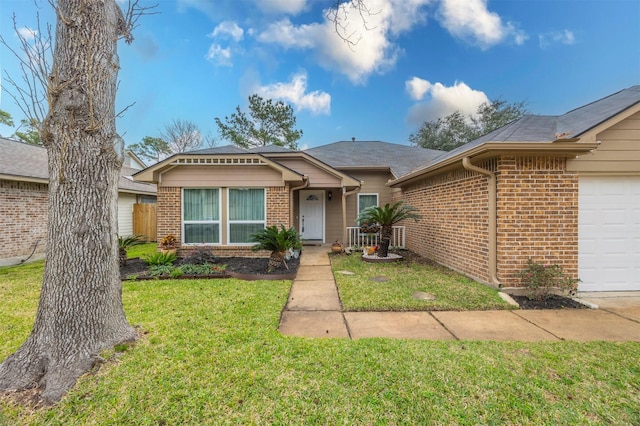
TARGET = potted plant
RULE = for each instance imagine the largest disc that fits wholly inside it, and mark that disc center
(336, 247)
(168, 244)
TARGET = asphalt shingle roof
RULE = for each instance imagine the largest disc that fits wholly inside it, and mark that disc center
(401, 159)
(24, 160)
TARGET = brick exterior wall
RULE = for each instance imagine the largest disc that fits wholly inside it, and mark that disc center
(453, 229)
(278, 205)
(23, 218)
(537, 217)
(170, 220)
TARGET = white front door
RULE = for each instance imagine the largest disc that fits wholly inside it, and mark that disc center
(312, 215)
(609, 233)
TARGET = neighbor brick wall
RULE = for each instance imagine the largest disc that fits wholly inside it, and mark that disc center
(537, 215)
(453, 229)
(23, 218)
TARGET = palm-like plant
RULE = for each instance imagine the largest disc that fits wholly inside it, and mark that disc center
(278, 241)
(386, 217)
(125, 242)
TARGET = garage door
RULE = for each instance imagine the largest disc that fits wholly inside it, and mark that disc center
(609, 233)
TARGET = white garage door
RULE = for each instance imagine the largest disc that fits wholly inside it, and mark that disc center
(609, 233)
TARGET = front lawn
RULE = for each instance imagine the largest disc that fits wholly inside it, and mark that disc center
(391, 286)
(210, 353)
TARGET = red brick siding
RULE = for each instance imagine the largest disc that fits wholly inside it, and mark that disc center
(169, 212)
(537, 215)
(23, 218)
(278, 205)
(453, 229)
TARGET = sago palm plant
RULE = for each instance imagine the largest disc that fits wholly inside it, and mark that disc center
(277, 241)
(386, 217)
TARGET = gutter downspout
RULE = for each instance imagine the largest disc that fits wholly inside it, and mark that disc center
(344, 212)
(305, 178)
(493, 219)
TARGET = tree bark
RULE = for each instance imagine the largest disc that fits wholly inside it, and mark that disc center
(80, 312)
(385, 240)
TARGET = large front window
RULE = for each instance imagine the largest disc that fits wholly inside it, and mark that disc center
(201, 216)
(247, 213)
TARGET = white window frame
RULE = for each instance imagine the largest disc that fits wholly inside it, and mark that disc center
(229, 221)
(218, 222)
(369, 194)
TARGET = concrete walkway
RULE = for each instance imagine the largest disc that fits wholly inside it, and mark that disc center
(314, 310)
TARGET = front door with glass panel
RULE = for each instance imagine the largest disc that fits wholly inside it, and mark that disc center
(312, 215)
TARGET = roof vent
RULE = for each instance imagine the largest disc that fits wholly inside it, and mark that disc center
(353, 138)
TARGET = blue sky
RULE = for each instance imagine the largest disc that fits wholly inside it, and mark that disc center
(416, 60)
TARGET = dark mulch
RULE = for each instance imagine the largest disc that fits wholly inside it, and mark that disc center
(551, 302)
(242, 265)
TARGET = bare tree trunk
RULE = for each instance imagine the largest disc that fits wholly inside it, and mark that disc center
(80, 311)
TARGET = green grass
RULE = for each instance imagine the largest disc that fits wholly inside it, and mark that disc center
(210, 353)
(453, 291)
(142, 250)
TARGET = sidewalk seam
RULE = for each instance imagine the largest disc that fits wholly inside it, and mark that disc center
(541, 328)
(444, 326)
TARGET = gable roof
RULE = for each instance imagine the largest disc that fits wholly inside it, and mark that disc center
(541, 133)
(28, 163)
(399, 159)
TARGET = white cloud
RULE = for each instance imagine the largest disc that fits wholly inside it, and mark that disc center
(228, 29)
(295, 92)
(219, 55)
(290, 7)
(27, 33)
(417, 88)
(373, 49)
(556, 37)
(470, 20)
(445, 100)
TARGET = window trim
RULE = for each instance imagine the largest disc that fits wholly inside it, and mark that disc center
(218, 222)
(228, 217)
(367, 193)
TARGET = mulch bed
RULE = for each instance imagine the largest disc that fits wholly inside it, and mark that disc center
(551, 302)
(246, 267)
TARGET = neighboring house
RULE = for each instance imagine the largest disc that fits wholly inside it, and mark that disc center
(562, 190)
(24, 195)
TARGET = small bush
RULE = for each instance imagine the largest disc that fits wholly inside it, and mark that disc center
(205, 269)
(157, 259)
(161, 270)
(176, 273)
(199, 256)
(540, 279)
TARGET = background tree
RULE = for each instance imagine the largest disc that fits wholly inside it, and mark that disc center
(5, 118)
(182, 136)
(151, 148)
(31, 132)
(80, 312)
(455, 129)
(268, 123)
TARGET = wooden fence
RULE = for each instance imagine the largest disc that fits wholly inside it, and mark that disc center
(144, 220)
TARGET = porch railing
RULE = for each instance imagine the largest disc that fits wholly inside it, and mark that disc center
(357, 239)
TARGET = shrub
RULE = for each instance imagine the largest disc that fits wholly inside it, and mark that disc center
(157, 259)
(277, 241)
(126, 242)
(540, 279)
(199, 256)
(161, 270)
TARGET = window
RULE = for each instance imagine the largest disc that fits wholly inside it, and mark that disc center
(367, 200)
(201, 216)
(247, 213)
